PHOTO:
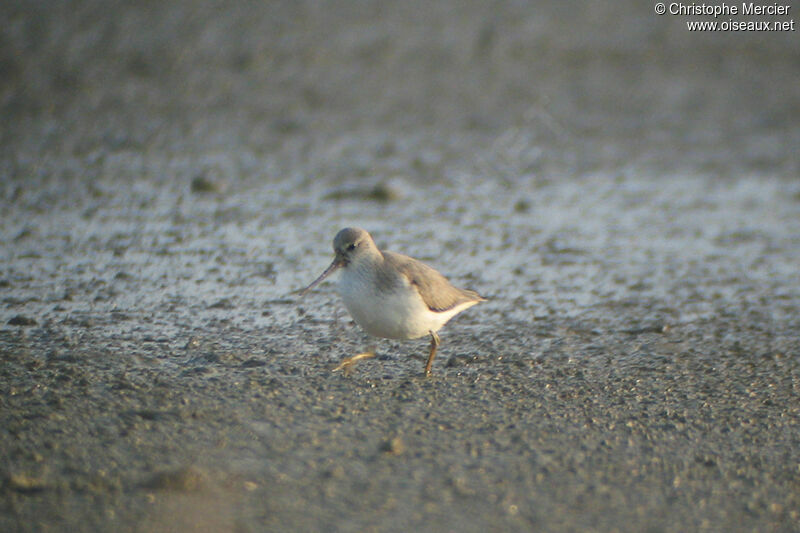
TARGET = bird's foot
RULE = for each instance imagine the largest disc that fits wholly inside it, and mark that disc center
(348, 362)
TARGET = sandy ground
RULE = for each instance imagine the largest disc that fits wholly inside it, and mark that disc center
(623, 190)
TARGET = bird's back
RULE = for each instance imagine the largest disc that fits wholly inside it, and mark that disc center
(436, 290)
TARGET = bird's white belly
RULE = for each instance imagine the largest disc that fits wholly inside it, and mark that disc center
(392, 313)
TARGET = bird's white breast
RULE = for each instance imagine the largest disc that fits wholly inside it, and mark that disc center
(394, 312)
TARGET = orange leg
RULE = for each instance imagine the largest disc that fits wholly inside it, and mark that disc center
(348, 362)
(434, 344)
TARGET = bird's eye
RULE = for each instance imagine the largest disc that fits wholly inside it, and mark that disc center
(351, 246)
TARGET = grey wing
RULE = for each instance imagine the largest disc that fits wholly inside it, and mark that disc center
(436, 291)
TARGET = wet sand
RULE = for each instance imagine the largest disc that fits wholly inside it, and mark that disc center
(624, 191)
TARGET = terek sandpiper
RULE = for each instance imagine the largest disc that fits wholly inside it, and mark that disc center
(392, 295)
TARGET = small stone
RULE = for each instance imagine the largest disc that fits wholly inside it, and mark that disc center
(380, 192)
(21, 320)
(394, 446)
(185, 479)
(26, 484)
(202, 184)
(192, 344)
(383, 192)
(224, 303)
(24, 234)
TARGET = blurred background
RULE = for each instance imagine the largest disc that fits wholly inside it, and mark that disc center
(512, 130)
(587, 85)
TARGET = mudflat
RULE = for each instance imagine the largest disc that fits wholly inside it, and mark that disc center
(624, 191)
